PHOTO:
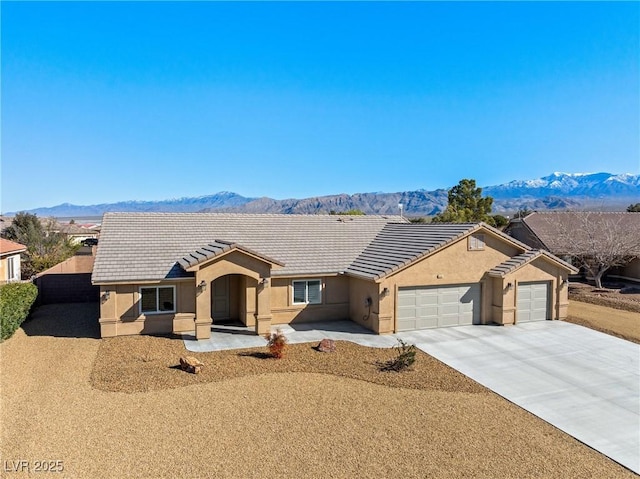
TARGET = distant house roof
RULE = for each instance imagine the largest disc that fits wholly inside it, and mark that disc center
(75, 230)
(546, 227)
(399, 245)
(10, 247)
(149, 246)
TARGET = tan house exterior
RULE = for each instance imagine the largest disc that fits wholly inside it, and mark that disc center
(10, 260)
(172, 273)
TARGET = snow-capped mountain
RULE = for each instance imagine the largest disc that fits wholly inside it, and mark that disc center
(589, 185)
(554, 192)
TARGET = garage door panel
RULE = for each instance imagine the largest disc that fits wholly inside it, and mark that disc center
(406, 300)
(438, 306)
(532, 302)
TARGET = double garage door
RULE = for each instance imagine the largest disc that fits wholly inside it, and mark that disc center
(435, 307)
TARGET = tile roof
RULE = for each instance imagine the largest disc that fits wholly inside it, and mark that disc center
(554, 228)
(148, 246)
(8, 246)
(398, 245)
(517, 262)
(217, 248)
(512, 264)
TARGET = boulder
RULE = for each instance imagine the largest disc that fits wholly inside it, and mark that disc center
(327, 346)
(191, 364)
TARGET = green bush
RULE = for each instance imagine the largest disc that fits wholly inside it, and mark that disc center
(16, 300)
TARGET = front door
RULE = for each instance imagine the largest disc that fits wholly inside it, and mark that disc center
(220, 299)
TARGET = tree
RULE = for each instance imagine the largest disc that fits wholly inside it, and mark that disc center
(595, 241)
(521, 213)
(634, 208)
(45, 246)
(500, 221)
(466, 205)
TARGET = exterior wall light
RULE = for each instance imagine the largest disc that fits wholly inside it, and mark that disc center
(385, 292)
(264, 281)
(202, 286)
(106, 295)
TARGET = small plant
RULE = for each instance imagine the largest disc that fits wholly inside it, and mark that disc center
(405, 357)
(277, 344)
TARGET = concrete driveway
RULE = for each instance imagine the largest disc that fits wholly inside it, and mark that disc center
(584, 382)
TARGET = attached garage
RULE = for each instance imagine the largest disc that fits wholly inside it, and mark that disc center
(532, 302)
(426, 307)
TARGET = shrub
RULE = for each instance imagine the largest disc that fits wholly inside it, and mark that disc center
(277, 344)
(16, 300)
(405, 357)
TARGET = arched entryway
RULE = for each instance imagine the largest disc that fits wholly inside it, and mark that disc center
(233, 300)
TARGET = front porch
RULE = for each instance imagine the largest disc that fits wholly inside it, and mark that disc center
(236, 336)
(232, 282)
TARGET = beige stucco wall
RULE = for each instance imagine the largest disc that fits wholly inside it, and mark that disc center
(3, 268)
(452, 265)
(335, 301)
(120, 314)
(360, 291)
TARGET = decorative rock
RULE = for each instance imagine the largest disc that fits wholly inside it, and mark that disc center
(191, 364)
(327, 346)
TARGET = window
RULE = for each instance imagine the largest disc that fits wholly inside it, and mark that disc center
(157, 299)
(476, 242)
(12, 268)
(307, 292)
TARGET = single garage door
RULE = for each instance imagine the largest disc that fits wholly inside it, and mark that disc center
(532, 302)
(436, 307)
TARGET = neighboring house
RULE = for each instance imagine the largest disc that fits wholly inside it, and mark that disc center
(178, 272)
(10, 260)
(560, 233)
(76, 233)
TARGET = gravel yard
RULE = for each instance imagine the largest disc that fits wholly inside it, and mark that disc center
(119, 408)
(616, 322)
(614, 295)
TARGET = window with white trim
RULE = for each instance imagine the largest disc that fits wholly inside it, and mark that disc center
(157, 299)
(476, 242)
(307, 292)
(13, 272)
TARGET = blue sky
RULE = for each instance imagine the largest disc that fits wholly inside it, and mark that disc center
(104, 102)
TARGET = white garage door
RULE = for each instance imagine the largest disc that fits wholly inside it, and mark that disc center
(436, 307)
(533, 302)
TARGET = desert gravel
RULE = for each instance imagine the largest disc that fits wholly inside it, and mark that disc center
(616, 322)
(245, 416)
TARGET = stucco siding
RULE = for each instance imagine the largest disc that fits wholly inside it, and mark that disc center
(334, 304)
(120, 313)
(365, 313)
(452, 265)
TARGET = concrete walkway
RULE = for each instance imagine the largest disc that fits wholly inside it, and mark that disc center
(237, 337)
(583, 382)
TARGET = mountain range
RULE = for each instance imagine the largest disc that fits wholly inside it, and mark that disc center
(603, 191)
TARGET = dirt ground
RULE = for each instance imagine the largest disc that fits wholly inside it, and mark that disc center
(614, 309)
(334, 416)
(618, 295)
(616, 322)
